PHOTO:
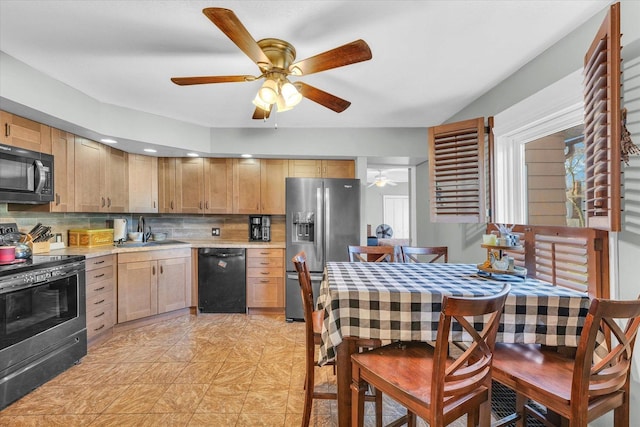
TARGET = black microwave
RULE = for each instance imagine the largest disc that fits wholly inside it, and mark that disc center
(25, 176)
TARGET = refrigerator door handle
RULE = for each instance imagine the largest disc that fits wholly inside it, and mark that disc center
(327, 219)
(317, 238)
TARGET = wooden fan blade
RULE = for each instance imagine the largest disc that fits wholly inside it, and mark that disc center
(323, 98)
(229, 24)
(260, 114)
(185, 81)
(350, 53)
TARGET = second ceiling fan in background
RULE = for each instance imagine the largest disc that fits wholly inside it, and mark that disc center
(275, 59)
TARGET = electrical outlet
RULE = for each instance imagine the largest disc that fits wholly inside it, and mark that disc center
(215, 231)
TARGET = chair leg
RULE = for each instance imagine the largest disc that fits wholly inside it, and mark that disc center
(358, 388)
(378, 403)
(520, 402)
(621, 413)
(308, 399)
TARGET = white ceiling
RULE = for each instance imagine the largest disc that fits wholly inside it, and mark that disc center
(430, 58)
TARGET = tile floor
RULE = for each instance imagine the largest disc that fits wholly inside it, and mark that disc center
(205, 370)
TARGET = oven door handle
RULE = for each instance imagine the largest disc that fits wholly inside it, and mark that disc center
(41, 177)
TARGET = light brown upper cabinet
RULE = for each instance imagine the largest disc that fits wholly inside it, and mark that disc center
(602, 131)
(24, 133)
(272, 186)
(63, 150)
(246, 186)
(190, 185)
(218, 186)
(106, 190)
(167, 185)
(201, 186)
(303, 168)
(143, 184)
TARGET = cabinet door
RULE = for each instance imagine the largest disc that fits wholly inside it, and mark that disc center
(89, 167)
(190, 185)
(116, 188)
(62, 148)
(167, 185)
(246, 186)
(302, 168)
(24, 133)
(218, 186)
(137, 290)
(143, 184)
(338, 169)
(272, 186)
(173, 284)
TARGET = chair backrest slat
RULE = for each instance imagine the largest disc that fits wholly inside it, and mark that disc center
(379, 253)
(473, 366)
(428, 253)
(610, 372)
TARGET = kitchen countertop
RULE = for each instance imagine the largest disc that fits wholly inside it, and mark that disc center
(97, 251)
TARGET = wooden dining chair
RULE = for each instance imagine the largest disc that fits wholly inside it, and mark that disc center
(425, 253)
(428, 381)
(313, 326)
(578, 389)
(372, 254)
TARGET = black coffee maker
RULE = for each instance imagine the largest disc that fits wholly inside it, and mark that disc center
(260, 228)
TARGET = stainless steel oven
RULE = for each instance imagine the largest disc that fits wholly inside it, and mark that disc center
(42, 322)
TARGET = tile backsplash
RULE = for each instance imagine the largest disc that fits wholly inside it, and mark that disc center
(232, 227)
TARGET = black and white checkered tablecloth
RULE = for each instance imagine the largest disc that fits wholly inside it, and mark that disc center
(396, 301)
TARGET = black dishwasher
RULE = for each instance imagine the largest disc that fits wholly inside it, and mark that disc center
(222, 283)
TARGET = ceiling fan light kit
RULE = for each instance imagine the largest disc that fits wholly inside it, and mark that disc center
(274, 58)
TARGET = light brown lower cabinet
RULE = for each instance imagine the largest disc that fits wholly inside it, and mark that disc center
(265, 279)
(101, 291)
(153, 282)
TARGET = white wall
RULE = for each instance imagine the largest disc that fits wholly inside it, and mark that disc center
(374, 205)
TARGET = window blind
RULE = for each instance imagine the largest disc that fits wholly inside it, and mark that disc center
(602, 126)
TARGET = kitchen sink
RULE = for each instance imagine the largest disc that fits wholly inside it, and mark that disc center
(149, 243)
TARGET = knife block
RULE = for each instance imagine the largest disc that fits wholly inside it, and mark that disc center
(37, 247)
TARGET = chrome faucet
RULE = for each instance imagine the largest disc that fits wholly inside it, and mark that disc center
(142, 229)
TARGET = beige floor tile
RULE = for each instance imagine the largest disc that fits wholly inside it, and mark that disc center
(273, 402)
(180, 398)
(118, 420)
(198, 373)
(168, 420)
(160, 372)
(210, 419)
(261, 420)
(93, 400)
(138, 398)
(178, 353)
(222, 402)
(234, 376)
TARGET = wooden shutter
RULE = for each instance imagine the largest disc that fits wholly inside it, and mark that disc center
(457, 172)
(602, 126)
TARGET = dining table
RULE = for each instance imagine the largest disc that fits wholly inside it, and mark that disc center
(402, 302)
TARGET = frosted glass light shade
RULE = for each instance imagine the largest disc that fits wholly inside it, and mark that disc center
(269, 91)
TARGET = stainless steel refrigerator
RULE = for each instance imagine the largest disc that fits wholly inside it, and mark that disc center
(322, 219)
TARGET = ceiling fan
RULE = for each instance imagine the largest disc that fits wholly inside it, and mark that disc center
(275, 59)
(381, 181)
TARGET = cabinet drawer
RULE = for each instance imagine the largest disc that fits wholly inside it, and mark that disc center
(100, 287)
(99, 320)
(98, 275)
(261, 253)
(99, 300)
(99, 262)
(265, 262)
(265, 272)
